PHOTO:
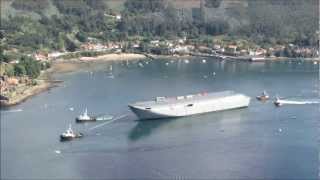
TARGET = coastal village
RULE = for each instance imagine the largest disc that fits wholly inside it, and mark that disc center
(183, 47)
(118, 89)
(14, 86)
(219, 47)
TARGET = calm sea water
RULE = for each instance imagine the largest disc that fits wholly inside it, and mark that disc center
(261, 141)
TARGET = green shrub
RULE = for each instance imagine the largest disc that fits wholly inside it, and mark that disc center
(19, 70)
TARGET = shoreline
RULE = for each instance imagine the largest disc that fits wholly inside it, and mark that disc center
(140, 56)
(46, 82)
(28, 93)
(253, 58)
(106, 58)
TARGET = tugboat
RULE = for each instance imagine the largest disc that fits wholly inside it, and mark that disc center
(84, 117)
(263, 97)
(70, 135)
(277, 102)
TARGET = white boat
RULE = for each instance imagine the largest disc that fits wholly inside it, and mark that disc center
(69, 135)
(163, 107)
(84, 117)
(263, 97)
(278, 102)
(257, 58)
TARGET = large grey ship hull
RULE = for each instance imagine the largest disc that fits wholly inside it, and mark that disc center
(189, 105)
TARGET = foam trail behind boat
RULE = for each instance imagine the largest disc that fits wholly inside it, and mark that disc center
(12, 111)
(108, 122)
(298, 102)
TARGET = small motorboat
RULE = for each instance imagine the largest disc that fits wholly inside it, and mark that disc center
(277, 102)
(70, 135)
(84, 117)
(263, 97)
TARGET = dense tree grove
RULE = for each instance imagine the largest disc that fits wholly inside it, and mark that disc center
(30, 5)
(291, 21)
(26, 66)
(213, 3)
(144, 6)
(3, 57)
(156, 18)
(32, 68)
(78, 19)
(269, 22)
(266, 22)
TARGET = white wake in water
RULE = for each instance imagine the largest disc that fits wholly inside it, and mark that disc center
(298, 102)
(12, 111)
(108, 122)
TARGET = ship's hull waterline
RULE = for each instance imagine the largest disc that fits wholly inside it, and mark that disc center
(190, 105)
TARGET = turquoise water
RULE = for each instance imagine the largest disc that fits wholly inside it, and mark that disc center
(261, 141)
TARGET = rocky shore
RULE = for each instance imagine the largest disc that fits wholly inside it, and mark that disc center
(25, 92)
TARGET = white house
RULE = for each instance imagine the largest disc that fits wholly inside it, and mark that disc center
(55, 54)
(216, 47)
(180, 49)
(257, 52)
(118, 17)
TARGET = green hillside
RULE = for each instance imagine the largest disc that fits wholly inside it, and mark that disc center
(63, 24)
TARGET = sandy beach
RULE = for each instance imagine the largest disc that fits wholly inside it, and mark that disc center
(115, 57)
(64, 67)
(70, 65)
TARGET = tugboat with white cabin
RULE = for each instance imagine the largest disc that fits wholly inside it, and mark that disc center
(70, 135)
(84, 117)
